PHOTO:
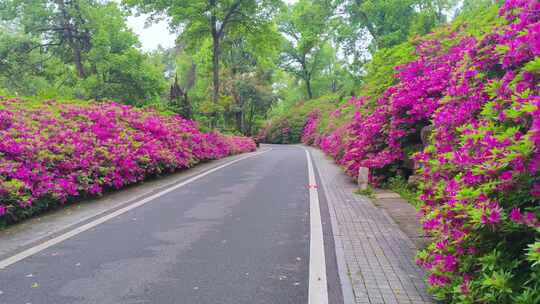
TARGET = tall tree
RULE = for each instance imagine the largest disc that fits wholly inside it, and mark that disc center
(60, 25)
(307, 27)
(471, 6)
(200, 19)
(185, 76)
(369, 25)
(72, 31)
(79, 48)
(248, 80)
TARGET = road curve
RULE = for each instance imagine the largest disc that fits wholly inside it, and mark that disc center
(238, 235)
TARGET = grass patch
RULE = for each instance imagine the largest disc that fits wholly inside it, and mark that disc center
(408, 192)
(367, 192)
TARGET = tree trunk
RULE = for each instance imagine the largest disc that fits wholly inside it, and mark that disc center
(188, 111)
(239, 125)
(308, 87)
(250, 120)
(215, 67)
(215, 59)
(243, 121)
(215, 72)
(334, 86)
(306, 75)
(77, 56)
(70, 38)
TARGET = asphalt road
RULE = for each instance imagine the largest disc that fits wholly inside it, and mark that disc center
(238, 235)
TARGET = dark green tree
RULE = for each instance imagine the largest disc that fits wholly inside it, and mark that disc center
(248, 81)
(214, 19)
(307, 27)
(79, 48)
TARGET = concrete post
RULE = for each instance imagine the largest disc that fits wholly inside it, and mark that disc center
(363, 178)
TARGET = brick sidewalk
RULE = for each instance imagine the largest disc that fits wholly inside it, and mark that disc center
(377, 255)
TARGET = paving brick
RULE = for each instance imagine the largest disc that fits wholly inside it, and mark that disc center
(378, 255)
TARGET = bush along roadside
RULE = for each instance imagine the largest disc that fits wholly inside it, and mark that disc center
(477, 95)
(480, 173)
(53, 152)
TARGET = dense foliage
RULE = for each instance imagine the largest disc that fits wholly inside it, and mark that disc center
(216, 23)
(475, 89)
(288, 127)
(52, 151)
(74, 49)
(232, 60)
(480, 174)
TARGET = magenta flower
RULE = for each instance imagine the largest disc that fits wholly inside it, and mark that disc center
(515, 215)
(465, 285)
(65, 150)
(530, 218)
(506, 176)
(450, 263)
(491, 217)
(437, 280)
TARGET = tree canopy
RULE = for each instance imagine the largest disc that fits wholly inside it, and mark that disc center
(234, 62)
(80, 49)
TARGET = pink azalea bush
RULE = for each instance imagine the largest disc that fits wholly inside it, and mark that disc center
(480, 184)
(280, 132)
(334, 133)
(52, 152)
(309, 134)
(480, 174)
(290, 126)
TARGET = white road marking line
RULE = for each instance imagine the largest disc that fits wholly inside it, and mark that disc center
(318, 288)
(56, 240)
(345, 280)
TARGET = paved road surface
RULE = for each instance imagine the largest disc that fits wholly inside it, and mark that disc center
(238, 235)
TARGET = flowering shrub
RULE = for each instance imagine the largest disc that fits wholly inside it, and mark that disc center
(480, 174)
(331, 137)
(51, 151)
(286, 130)
(289, 126)
(480, 183)
(309, 134)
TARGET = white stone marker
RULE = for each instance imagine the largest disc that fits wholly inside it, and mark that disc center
(363, 178)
